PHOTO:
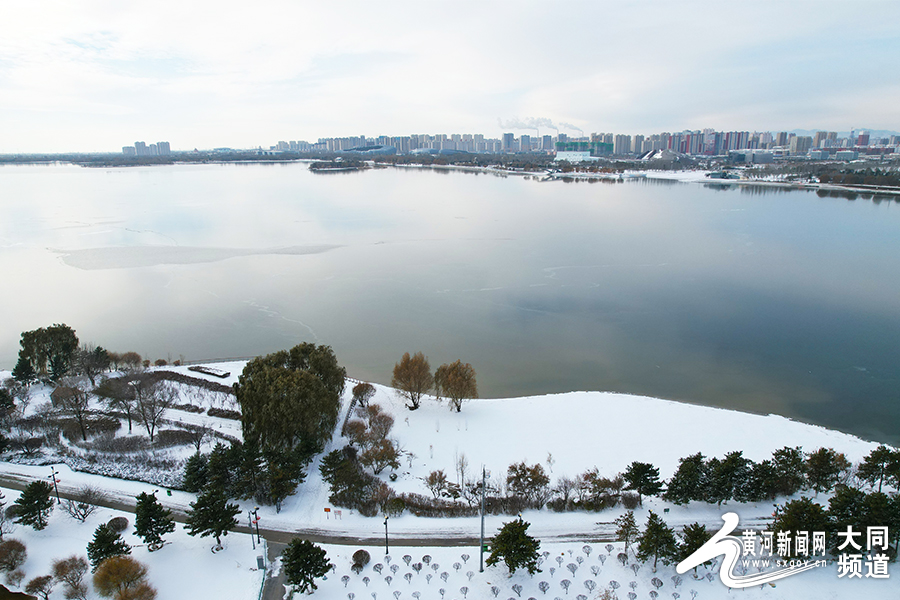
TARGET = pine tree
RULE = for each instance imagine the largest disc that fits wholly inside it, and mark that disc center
(106, 543)
(657, 541)
(303, 561)
(882, 464)
(626, 529)
(152, 520)
(693, 537)
(515, 547)
(212, 515)
(34, 505)
(24, 372)
(643, 478)
(689, 481)
(824, 468)
(195, 473)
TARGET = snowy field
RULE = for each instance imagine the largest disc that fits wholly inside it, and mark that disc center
(566, 433)
(185, 568)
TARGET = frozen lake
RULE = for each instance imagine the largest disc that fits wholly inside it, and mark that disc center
(763, 300)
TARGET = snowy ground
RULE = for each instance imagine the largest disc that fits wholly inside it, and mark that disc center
(599, 567)
(566, 433)
(184, 568)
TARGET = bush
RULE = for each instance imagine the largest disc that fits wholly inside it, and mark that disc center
(118, 524)
(361, 557)
(630, 500)
(12, 512)
(173, 437)
(12, 555)
(122, 577)
(161, 362)
(394, 507)
(188, 408)
(224, 413)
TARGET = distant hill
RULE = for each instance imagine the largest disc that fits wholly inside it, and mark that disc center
(874, 133)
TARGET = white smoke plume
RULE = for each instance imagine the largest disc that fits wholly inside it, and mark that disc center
(532, 123)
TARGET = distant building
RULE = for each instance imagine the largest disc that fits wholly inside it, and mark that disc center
(863, 139)
(547, 143)
(622, 144)
(525, 143)
(819, 154)
(846, 155)
(509, 142)
(141, 149)
(163, 148)
(800, 145)
(129, 151)
(574, 156)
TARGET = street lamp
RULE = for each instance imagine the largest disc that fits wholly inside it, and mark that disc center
(385, 534)
(256, 520)
(53, 474)
(250, 524)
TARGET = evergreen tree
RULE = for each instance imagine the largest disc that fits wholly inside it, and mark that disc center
(212, 515)
(515, 547)
(106, 543)
(291, 399)
(882, 464)
(152, 520)
(799, 515)
(689, 481)
(824, 468)
(24, 371)
(283, 472)
(34, 505)
(692, 539)
(223, 467)
(626, 529)
(790, 470)
(303, 561)
(763, 483)
(195, 473)
(643, 478)
(657, 541)
(727, 477)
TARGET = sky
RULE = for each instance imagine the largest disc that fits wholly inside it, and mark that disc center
(96, 75)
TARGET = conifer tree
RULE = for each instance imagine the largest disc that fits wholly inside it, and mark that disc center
(693, 537)
(515, 547)
(657, 541)
(303, 561)
(626, 529)
(152, 520)
(35, 504)
(212, 515)
(106, 543)
(643, 478)
(824, 468)
(882, 464)
(195, 473)
(689, 481)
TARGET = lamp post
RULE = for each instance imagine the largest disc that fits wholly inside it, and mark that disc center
(250, 525)
(256, 520)
(53, 474)
(481, 545)
(385, 534)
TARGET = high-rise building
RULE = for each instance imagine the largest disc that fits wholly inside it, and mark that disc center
(622, 144)
(547, 143)
(863, 139)
(800, 144)
(128, 151)
(163, 148)
(637, 145)
(509, 141)
(781, 139)
(525, 143)
(820, 137)
(140, 149)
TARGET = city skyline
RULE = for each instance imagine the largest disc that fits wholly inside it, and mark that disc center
(82, 78)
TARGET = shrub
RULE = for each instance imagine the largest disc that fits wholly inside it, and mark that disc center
(361, 557)
(188, 408)
(118, 524)
(173, 437)
(160, 362)
(12, 555)
(122, 577)
(224, 413)
(630, 500)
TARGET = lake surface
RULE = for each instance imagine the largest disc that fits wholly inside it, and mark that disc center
(759, 299)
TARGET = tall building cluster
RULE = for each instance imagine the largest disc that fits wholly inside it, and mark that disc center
(142, 149)
(706, 142)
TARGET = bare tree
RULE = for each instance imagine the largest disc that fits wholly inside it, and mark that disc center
(118, 394)
(152, 398)
(413, 378)
(73, 399)
(198, 434)
(92, 360)
(456, 381)
(83, 503)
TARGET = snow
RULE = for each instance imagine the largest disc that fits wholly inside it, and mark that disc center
(184, 568)
(566, 433)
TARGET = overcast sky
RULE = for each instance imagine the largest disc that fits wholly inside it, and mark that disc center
(95, 75)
